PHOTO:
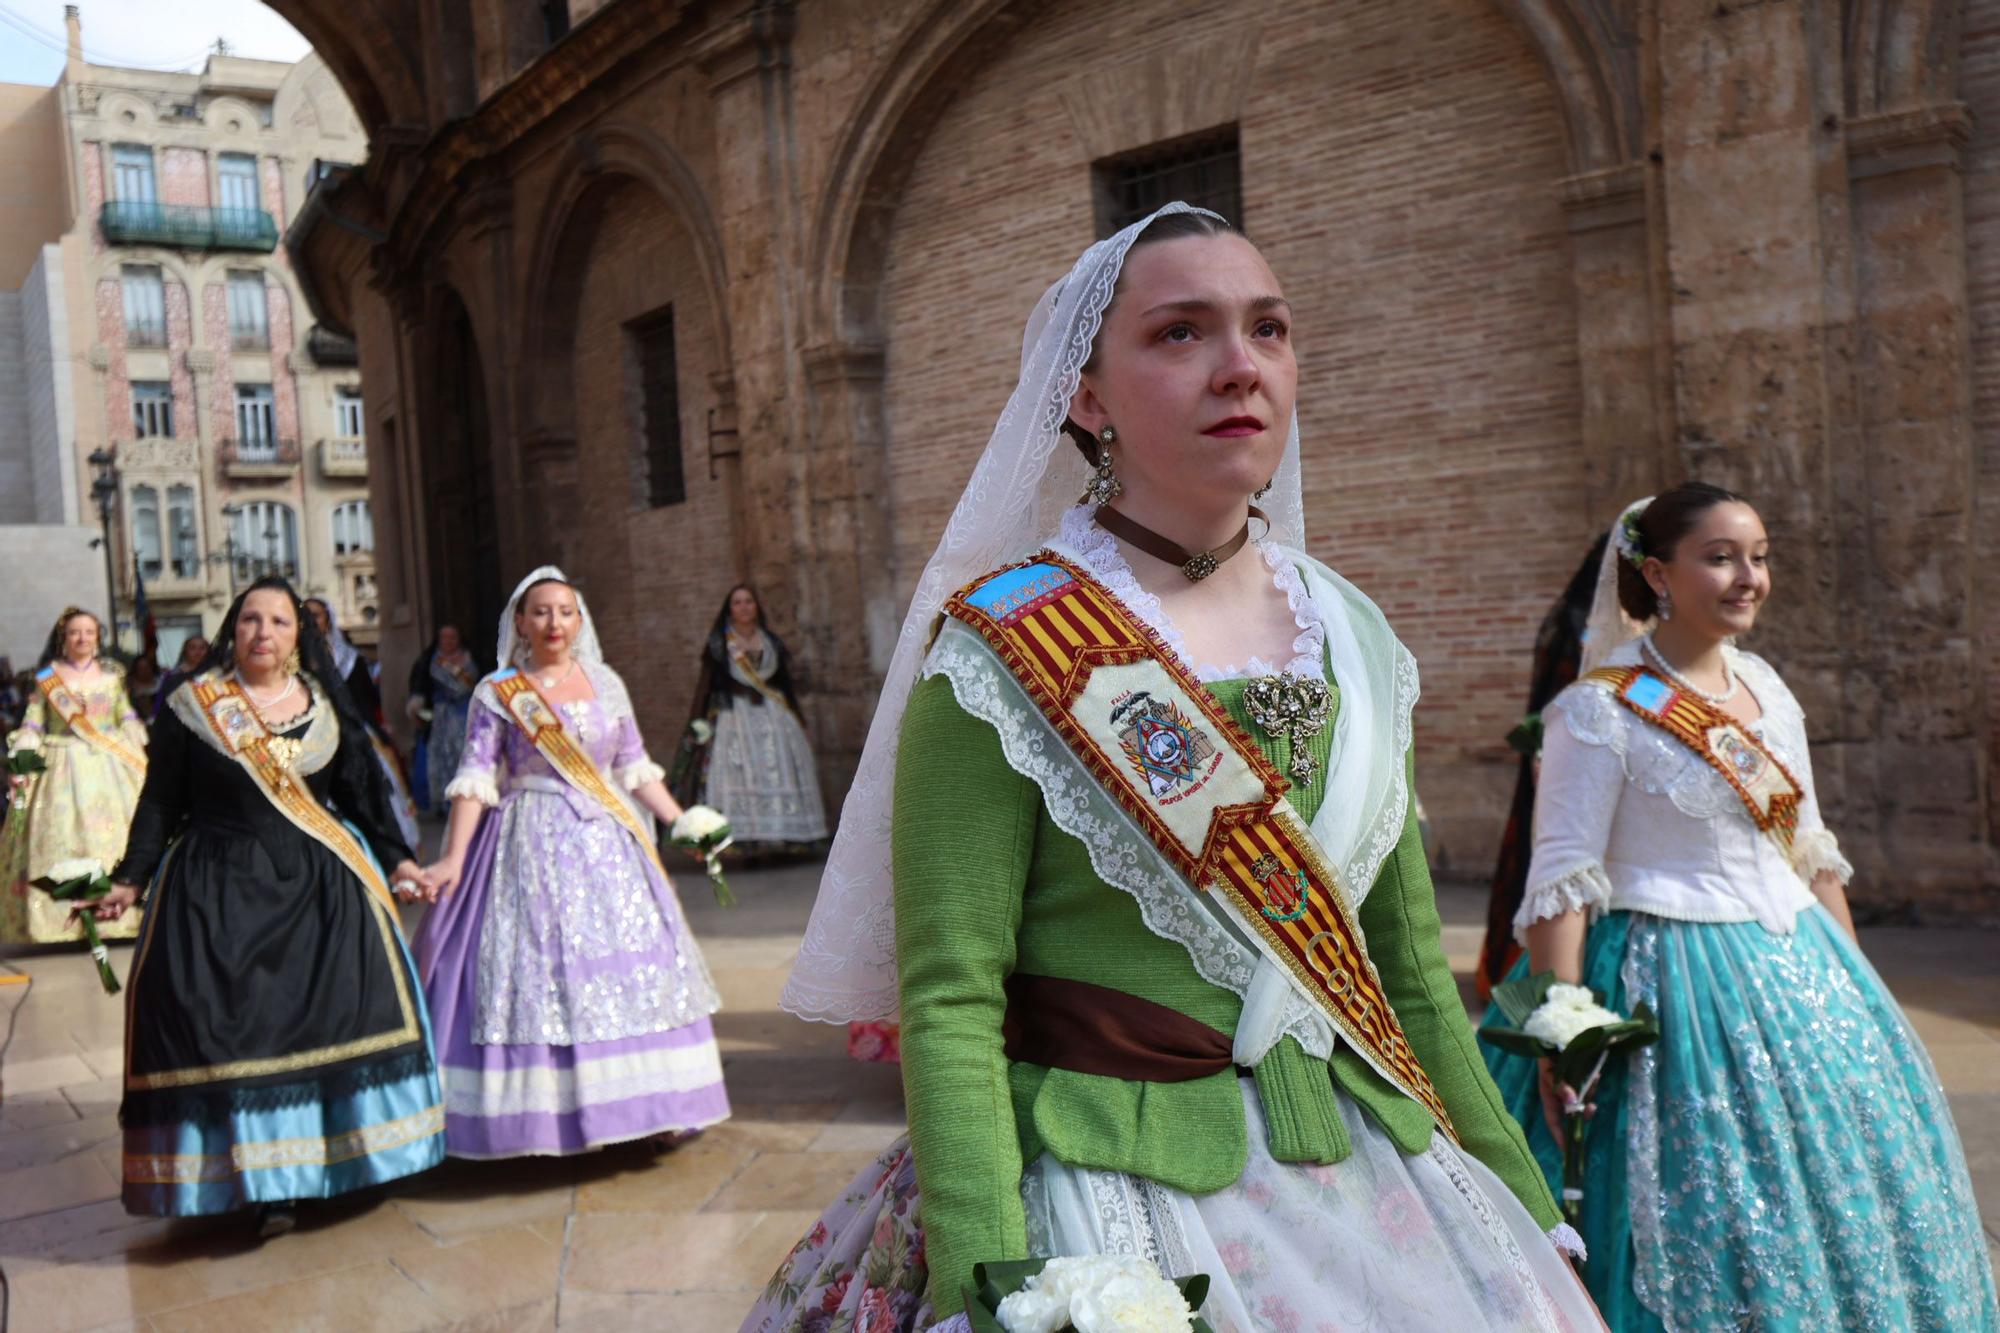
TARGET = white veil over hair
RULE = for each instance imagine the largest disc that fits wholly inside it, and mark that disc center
(1027, 477)
(512, 650)
(342, 649)
(1609, 627)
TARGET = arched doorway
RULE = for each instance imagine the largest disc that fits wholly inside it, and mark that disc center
(462, 532)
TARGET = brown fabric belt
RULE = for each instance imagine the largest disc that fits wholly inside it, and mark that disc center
(1093, 1029)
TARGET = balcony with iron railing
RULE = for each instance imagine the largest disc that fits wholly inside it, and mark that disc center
(327, 348)
(341, 457)
(145, 333)
(188, 226)
(267, 459)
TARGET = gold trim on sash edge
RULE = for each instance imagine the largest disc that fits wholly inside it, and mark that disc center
(758, 683)
(245, 738)
(542, 725)
(56, 691)
(1768, 789)
(1079, 652)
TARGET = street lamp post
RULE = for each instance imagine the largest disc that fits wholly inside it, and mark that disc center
(104, 490)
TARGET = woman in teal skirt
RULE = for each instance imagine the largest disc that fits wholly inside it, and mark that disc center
(1783, 1157)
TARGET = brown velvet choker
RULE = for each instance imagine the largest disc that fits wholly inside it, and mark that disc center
(1194, 565)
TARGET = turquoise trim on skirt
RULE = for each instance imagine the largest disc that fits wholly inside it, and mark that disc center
(1784, 1158)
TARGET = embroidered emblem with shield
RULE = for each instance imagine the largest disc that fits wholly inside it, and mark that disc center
(1173, 756)
(1287, 890)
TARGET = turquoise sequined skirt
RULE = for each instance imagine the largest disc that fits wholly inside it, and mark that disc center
(1783, 1158)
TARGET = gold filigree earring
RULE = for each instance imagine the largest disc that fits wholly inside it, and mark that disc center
(292, 663)
(1104, 486)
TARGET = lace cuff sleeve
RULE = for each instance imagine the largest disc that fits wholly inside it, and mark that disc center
(1815, 850)
(1563, 1236)
(477, 786)
(1584, 889)
(641, 771)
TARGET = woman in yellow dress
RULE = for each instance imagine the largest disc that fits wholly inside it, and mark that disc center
(81, 722)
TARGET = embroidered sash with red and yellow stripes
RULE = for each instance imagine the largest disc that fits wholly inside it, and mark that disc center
(73, 711)
(1765, 786)
(542, 725)
(1198, 788)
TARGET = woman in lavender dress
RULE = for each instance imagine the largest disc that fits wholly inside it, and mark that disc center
(570, 1000)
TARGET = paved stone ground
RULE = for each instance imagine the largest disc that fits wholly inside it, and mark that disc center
(619, 1239)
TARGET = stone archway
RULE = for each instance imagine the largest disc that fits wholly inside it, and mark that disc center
(462, 529)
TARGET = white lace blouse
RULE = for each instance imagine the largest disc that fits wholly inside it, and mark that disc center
(1628, 818)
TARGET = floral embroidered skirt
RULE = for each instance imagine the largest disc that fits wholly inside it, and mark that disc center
(1382, 1240)
(77, 809)
(1783, 1158)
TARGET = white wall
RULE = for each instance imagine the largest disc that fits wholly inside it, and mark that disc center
(43, 568)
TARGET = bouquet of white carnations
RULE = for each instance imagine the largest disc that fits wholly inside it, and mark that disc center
(1099, 1293)
(83, 882)
(705, 832)
(1567, 1025)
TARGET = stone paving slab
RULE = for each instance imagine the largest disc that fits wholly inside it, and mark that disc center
(624, 1238)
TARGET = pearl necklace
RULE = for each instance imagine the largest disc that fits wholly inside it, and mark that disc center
(550, 682)
(1729, 682)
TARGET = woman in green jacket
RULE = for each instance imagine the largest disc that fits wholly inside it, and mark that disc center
(1160, 933)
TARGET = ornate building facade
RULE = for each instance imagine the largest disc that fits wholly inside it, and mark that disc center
(675, 292)
(234, 422)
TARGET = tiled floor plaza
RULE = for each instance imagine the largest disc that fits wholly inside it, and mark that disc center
(619, 1239)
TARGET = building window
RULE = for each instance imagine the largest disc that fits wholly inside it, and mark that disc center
(132, 174)
(256, 422)
(236, 182)
(660, 408)
(264, 538)
(152, 410)
(1204, 169)
(347, 413)
(183, 544)
(145, 305)
(353, 530)
(249, 312)
(146, 530)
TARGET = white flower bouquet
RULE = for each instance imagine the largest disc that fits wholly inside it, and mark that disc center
(1100, 1293)
(1568, 1026)
(83, 882)
(705, 832)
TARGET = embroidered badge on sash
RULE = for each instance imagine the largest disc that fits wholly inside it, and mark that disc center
(1766, 787)
(1195, 785)
(1165, 747)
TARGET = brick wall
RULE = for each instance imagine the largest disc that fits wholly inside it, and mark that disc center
(1397, 169)
(654, 576)
(1979, 68)
(184, 176)
(111, 336)
(221, 383)
(284, 386)
(180, 337)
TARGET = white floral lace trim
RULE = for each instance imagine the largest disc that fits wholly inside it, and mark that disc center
(1584, 889)
(1100, 550)
(1496, 1228)
(638, 773)
(1563, 1236)
(1816, 850)
(479, 787)
(1080, 808)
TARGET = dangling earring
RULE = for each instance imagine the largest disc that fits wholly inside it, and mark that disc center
(1666, 611)
(1104, 486)
(1263, 490)
(292, 663)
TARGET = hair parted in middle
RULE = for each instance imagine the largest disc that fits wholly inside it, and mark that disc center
(1659, 528)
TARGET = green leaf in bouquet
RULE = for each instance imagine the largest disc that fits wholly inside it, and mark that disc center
(22, 763)
(1514, 1042)
(1526, 737)
(1520, 997)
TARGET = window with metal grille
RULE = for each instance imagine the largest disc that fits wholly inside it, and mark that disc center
(256, 424)
(146, 530)
(183, 546)
(347, 416)
(145, 305)
(1204, 169)
(249, 311)
(264, 539)
(659, 407)
(236, 181)
(152, 409)
(353, 529)
(132, 174)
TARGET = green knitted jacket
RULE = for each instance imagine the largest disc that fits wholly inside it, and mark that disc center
(986, 884)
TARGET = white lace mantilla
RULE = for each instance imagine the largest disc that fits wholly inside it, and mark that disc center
(1099, 549)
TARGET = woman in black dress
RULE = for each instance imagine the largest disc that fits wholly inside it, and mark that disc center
(277, 1046)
